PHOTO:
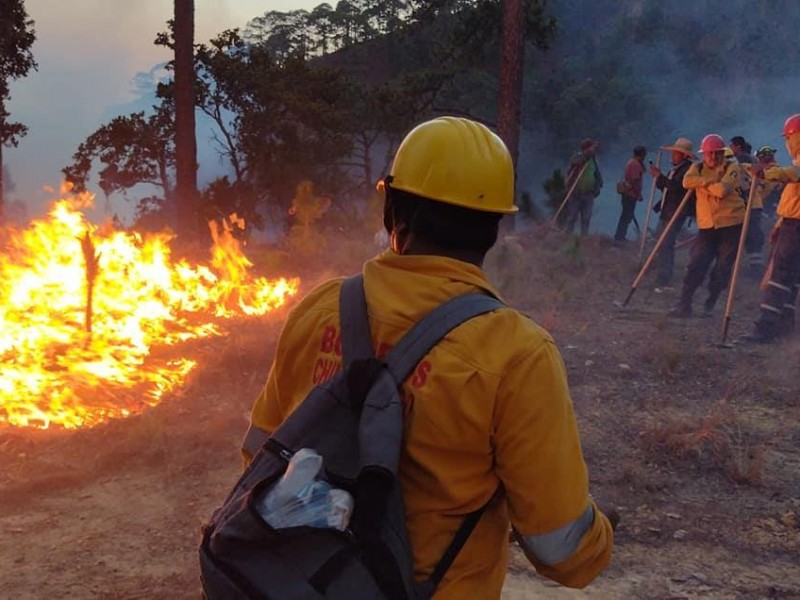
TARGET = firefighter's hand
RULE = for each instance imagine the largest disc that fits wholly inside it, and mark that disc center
(654, 171)
(757, 170)
(716, 189)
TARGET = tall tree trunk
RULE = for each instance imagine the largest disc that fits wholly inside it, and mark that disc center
(512, 61)
(185, 141)
(510, 97)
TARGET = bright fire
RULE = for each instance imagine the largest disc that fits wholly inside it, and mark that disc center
(83, 308)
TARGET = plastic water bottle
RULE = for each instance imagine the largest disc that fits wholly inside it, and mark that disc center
(300, 498)
(303, 467)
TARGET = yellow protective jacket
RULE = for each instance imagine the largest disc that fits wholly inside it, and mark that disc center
(789, 204)
(719, 202)
(487, 408)
(764, 187)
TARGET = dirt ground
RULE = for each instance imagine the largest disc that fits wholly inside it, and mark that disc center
(697, 446)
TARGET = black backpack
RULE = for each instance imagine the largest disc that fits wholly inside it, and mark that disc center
(355, 422)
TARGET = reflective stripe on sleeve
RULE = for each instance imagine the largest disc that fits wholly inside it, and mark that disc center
(557, 546)
(770, 308)
(254, 439)
(775, 284)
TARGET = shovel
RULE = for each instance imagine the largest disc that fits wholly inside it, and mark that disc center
(726, 321)
(654, 251)
(650, 209)
(554, 218)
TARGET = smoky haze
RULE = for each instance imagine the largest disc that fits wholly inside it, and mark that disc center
(625, 73)
(89, 53)
(646, 72)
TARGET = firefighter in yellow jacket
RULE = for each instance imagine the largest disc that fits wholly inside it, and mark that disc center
(488, 407)
(720, 213)
(778, 305)
(754, 240)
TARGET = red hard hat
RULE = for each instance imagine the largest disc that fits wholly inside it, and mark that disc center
(712, 143)
(792, 125)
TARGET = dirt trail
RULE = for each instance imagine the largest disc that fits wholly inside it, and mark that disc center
(698, 447)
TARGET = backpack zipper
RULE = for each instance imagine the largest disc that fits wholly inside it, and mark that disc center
(279, 449)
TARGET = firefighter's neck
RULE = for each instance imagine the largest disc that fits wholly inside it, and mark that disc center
(409, 245)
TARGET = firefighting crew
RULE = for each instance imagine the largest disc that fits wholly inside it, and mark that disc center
(720, 212)
(588, 188)
(630, 191)
(672, 184)
(489, 407)
(778, 305)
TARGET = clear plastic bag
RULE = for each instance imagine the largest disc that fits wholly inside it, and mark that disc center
(299, 498)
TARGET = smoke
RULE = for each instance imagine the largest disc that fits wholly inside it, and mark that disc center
(645, 72)
(88, 52)
(8, 184)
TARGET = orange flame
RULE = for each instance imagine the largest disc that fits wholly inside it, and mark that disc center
(64, 364)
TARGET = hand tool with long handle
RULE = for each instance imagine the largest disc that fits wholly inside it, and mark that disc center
(650, 208)
(726, 321)
(656, 248)
(554, 219)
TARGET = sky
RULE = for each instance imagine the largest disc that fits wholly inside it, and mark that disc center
(89, 52)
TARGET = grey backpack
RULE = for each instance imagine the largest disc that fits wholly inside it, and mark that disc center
(355, 422)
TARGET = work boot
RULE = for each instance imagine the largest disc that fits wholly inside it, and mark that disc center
(764, 331)
(708, 307)
(756, 337)
(681, 311)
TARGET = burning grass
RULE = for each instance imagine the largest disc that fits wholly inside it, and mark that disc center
(86, 311)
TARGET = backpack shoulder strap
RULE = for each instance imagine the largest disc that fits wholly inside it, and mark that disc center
(354, 320)
(423, 336)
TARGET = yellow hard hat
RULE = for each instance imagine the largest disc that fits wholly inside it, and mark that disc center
(456, 161)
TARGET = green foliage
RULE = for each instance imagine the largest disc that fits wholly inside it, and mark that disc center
(312, 95)
(133, 149)
(555, 187)
(16, 60)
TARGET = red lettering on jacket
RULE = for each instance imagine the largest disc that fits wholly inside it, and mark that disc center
(324, 369)
(328, 339)
(331, 341)
(421, 374)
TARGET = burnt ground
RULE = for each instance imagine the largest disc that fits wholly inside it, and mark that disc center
(696, 445)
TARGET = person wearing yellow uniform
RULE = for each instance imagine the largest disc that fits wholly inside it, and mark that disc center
(768, 192)
(779, 303)
(720, 213)
(754, 240)
(488, 409)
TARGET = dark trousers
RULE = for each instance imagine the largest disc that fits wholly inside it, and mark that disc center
(666, 256)
(710, 245)
(581, 203)
(625, 218)
(754, 244)
(778, 305)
